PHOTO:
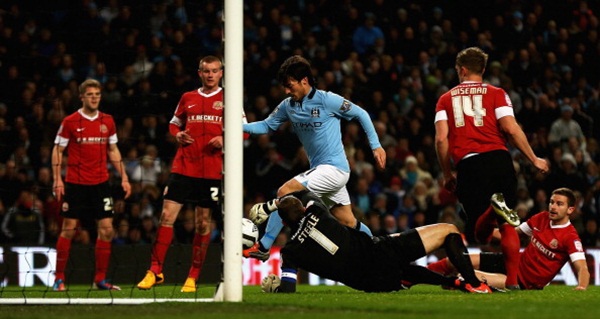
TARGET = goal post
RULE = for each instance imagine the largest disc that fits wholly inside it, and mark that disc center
(233, 152)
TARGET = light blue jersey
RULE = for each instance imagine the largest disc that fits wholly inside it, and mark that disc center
(316, 122)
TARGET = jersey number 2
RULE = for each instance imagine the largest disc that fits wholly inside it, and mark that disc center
(470, 105)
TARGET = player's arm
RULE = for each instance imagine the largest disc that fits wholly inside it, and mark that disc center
(517, 137)
(58, 187)
(114, 155)
(583, 274)
(442, 149)
(271, 123)
(349, 110)
(177, 129)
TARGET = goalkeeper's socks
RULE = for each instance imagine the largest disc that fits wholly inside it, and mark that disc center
(459, 256)
(274, 226)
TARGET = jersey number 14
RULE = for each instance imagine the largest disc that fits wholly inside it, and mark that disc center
(469, 105)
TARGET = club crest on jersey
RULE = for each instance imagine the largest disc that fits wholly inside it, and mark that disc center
(315, 112)
(103, 128)
(554, 243)
(346, 106)
(65, 206)
(218, 105)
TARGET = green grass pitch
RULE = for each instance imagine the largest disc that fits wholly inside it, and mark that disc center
(555, 301)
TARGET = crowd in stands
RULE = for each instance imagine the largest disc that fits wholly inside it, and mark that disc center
(394, 58)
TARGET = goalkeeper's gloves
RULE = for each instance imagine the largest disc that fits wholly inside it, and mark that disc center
(260, 212)
(270, 283)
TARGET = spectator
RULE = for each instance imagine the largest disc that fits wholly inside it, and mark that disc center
(23, 224)
(565, 127)
(366, 35)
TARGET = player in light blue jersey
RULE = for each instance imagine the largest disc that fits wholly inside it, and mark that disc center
(315, 116)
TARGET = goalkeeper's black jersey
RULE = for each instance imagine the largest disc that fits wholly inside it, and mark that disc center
(321, 245)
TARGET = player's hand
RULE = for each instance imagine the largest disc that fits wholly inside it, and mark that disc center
(126, 188)
(184, 138)
(576, 288)
(216, 142)
(542, 165)
(450, 183)
(260, 212)
(257, 214)
(380, 157)
(270, 283)
(58, 190)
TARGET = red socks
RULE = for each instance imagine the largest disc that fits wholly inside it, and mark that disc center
(511, 245)
(441, 266)
(485, 225)
(102, 258)
(164, 236)
(199, 248)
(63, 247)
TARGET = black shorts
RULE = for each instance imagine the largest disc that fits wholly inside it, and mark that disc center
(87, 201)
(478, 178)
(391, 254)
(492, 262)
(196, 191)
(402, 248)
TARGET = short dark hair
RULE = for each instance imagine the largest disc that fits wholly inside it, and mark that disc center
(473, 58)
(290, 209)
(568, 193)
(295, 67)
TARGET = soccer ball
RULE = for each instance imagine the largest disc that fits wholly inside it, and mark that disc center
(249, 233)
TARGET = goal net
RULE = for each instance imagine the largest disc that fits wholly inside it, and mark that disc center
(143, 77)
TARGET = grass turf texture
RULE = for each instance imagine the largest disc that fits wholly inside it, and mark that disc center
(316, 302)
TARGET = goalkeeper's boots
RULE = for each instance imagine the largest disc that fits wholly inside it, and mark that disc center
(59, 285)
(501, 209)
(150, 280)
(255, 252)
(105, 285)
(189, 285)
(483, 288)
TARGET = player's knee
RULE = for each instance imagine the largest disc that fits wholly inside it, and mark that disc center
(452, 229)
(167, 218)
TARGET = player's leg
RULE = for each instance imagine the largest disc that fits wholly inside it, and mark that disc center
(447, 236)
(179, 189)
(200, 245)
(102, 254)
(73, 204)
(329, 183)
(164, 236)
(63, 247)
(343, 213)
(103, 214)
(484, 227)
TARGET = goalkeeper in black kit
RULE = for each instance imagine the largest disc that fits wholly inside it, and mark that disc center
(321, 245)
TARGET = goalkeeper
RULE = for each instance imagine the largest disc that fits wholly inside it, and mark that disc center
(321, 245)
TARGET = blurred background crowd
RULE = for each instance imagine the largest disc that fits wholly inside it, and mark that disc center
(394, 58)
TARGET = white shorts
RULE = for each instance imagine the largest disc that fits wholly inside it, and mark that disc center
(328, 182)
